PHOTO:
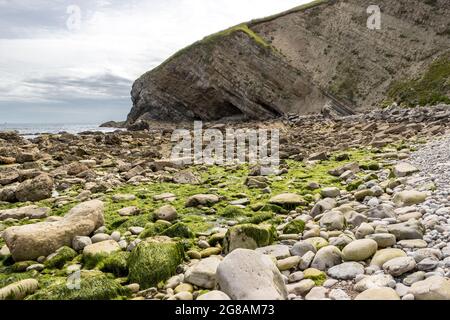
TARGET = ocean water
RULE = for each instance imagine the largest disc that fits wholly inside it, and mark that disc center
(30, 130)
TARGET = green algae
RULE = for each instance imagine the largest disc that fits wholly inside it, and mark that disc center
(431, 88)
(154, 260)
(294, 227)
(93, 285)
(59, 259)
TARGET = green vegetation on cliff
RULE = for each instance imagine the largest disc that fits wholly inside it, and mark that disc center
(432, 87)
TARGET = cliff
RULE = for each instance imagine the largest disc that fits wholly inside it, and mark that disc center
(298, 61)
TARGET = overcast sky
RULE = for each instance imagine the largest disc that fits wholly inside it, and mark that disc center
(53, 69)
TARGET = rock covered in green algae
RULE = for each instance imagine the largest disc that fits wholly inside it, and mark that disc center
(60, 257)
(249, 236)
(154, 260)
(294, 227)
(287, 200)
(19, 290)
(178, 230)
(94, 253)
(116, 263)
(93, 285)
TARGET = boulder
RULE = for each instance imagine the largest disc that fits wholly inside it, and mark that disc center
(333, 220)
(409, 198)
(409, 230)
(359, 250)
(203, 273)
(202, 200)
(29, 242)
(249, 236)
(19, 290)
(214, 295)
(374, 281)
(327, 257)
(399, 266)
(31, 212)
(167, 213)
(248, 275)
(278, 251)
(287, 200)
(378, 294)
(346, 271)
(36, 189)
(433, 288)
(154, 260)
(322, 206)
(404, 169)
(331, 192)
(383, 256)
(100, 249)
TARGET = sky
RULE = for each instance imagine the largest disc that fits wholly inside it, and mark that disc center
(74, 61)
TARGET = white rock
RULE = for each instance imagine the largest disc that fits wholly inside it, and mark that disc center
(203, 273)
(248, 275)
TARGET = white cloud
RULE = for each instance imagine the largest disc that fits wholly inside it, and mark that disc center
(117, 39)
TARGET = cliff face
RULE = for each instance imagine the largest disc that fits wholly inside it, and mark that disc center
(300, 60)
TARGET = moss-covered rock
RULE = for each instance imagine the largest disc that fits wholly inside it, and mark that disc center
(178, 230)
(319, 277)
(231, 212)
(19, 290)
(249, 236)
(153, 229)
(93, 285)
(60, 257)
(116, 263)
(294, 227)
(259, 217)
(154, 260)
(21, 266)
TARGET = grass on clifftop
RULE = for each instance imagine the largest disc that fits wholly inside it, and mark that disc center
(302, 7)
(432, 88)
(213, 37)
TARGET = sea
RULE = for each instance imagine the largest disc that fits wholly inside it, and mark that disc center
(32, 130)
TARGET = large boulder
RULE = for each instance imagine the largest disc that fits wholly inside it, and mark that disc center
(248, 275)
(203, 273)
(433, 288)
(29, 242)
(154, 260)
(36, 189)
(249, 236)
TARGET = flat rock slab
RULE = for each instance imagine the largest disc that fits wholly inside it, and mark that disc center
(31, 241)
(32, 212)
